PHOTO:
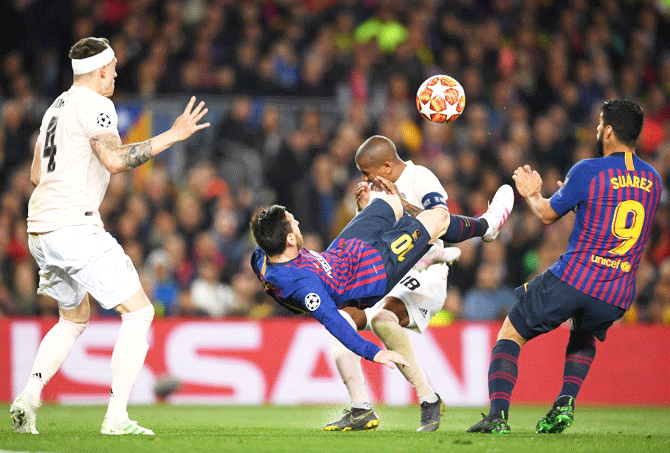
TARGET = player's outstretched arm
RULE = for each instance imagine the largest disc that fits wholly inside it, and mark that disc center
(528, 184)
(117, 157)
(388, 358)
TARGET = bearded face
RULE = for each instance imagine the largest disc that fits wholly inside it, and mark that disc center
(600, 147)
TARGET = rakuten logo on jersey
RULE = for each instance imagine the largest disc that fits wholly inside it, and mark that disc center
(324, 264)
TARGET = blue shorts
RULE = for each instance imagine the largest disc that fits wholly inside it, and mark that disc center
(547, 301)
(401, 244)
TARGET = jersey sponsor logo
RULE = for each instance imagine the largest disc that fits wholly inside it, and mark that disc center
(312, 301)
(104, 120)
(613, 263)
(324, 264)
(621, 182)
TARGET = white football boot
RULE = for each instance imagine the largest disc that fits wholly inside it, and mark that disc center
(437, 255)
(498, 211)
(126, 427)
(23, 413)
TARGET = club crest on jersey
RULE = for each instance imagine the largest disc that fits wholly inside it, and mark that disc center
(104, 120)
(416, 234)
(312, 301)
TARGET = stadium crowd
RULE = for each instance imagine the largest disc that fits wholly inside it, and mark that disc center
(534, 72)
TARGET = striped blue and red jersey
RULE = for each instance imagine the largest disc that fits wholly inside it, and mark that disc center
(615, 200)
(349, 272)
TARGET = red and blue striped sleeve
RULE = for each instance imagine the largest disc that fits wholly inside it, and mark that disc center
(318, 303)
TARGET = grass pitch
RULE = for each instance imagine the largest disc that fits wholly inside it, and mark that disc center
(298, 429)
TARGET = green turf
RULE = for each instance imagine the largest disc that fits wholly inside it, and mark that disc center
(297, 429)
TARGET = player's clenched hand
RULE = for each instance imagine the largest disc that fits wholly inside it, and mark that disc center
(388, 358)
(186, 124)
(362, 195)
(528, 182)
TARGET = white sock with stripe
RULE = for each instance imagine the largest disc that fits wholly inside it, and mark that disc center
(54, 349)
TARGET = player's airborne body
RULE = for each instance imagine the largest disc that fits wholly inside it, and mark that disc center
(77, 149)
(369, 257)
(412, 302)
(615, 199)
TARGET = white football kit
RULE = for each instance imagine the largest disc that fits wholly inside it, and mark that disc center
(423, 293)
(75, 254)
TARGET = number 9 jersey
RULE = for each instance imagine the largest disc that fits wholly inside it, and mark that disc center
(615, 200)
(73, 181)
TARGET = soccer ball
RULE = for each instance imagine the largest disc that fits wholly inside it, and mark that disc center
(440, 99)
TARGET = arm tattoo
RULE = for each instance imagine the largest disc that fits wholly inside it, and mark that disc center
(410, 208)
(126, 156)
(104, 141)
(137, 154)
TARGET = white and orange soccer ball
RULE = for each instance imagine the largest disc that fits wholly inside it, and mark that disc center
(440, 99)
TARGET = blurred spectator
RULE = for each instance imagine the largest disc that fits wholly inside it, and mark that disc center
(488, 299)
(210, 295)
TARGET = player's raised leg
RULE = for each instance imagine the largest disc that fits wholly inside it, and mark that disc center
(452, 228)
(127, 360)
(488, 225)
(388, 324)
(54, 349)
(360, 416)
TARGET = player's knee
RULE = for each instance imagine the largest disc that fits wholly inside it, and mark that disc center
(145, 314)
(381, 319)
(395, 203)
(79, 326)
(509, 332)
(436, 221)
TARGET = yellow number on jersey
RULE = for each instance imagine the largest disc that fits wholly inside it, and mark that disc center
(401, 246)
(629, 235)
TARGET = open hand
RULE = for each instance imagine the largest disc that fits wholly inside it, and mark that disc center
(388, 358)
(362, 195)
(186, 124)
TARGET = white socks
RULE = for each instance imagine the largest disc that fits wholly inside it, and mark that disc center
(54, 349)
(349, 366)
(387, 327)
(127, 359)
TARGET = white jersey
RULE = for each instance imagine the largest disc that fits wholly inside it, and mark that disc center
(419, 186)
(73, 181)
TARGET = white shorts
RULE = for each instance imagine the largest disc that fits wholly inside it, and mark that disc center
(423, 293)
(83, 259)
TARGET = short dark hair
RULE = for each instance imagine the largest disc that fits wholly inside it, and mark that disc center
(626, 118)
(270, 226)
(87, 47)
